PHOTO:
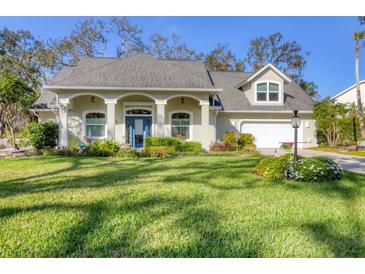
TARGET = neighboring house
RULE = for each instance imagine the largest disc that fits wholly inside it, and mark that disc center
(349, 95)
(129, 99)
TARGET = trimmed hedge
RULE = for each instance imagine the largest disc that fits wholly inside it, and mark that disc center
(162, 142)
(190, 146)
(174, 144)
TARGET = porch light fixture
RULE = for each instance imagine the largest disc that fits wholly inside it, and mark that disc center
(182, 100)
(295, 123)
(92, 99)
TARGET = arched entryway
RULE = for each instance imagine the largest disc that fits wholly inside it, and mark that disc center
(137, 118)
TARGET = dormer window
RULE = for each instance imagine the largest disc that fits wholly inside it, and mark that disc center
(267, 92)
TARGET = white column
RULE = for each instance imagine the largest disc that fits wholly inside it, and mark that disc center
(160, 118)
(63, 121)
(110, 118)
(205, 123)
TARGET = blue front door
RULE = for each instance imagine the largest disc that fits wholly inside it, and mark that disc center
(138, 128)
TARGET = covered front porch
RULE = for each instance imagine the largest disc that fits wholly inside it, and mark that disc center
(130, 117)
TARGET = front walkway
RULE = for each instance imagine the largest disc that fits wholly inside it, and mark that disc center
(347, 162)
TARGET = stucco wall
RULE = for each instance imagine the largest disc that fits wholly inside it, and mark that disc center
(79, 105)
(232, 122)
(268, 75)
(47, 116)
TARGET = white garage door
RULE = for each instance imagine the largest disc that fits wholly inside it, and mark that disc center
(271, 134)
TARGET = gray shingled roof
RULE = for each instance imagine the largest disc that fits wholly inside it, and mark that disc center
(144, 71)
(141, 71)
(235, 99)
(47, 100)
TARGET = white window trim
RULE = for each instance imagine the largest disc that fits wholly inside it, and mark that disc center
(84, 123)
(190, 122)
(280, 99)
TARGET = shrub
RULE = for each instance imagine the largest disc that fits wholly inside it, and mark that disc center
(42, 135)
(162, 141)
(230, 137)
(249, 148)
(218, 147)
(158, 151)
(315, 169)
(128, 152)
(245, 139)
(271, 168)
(190, 146)
(103, 148)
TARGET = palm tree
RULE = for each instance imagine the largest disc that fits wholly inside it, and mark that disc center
(357, 37)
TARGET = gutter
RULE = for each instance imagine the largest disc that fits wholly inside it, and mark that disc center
(265, 111)
(55, 88)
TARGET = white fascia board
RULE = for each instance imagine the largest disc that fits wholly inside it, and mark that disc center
(347, 90)
(215, 90)
(271, 66)
(265, 111)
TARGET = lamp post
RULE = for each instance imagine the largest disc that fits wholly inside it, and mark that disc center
(295, 123)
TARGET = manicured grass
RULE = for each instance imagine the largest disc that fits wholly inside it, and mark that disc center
(182, 207)
(339, 151)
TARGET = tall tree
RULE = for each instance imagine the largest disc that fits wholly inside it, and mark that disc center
(163, 47)
(15, 99)
(130, 41)
(223, 59)
(285, 55)
(357, 37)
(310, 87)
(23, 56)
(87, 39)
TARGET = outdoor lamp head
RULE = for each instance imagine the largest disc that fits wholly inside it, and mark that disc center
(295, 121)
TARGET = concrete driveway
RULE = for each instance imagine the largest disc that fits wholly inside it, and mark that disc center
(347, 162)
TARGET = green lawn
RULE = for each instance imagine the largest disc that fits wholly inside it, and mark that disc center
(341, 151)
(207, 206)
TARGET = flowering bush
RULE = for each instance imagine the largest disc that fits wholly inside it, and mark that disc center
(316, 169)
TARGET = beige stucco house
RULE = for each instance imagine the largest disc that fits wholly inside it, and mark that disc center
(129, 99)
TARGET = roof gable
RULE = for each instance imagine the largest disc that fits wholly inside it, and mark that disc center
(261, 71)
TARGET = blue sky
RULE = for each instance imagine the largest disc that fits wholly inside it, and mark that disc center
(329, 39)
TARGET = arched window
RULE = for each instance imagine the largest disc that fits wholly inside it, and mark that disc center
(181, 125)
(95, 124)
(138, 112)
(267, 92)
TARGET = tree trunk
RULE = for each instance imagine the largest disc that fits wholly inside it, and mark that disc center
(359, 104)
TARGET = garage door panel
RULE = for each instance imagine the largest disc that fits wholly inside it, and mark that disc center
(269, 134)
